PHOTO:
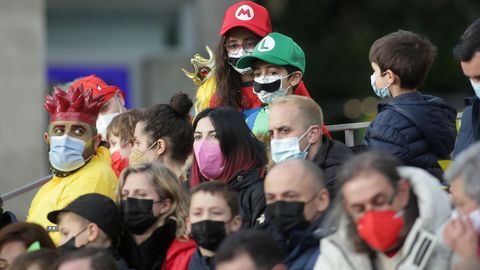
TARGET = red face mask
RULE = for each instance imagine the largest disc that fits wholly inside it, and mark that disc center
(380, 229)
(118, 163)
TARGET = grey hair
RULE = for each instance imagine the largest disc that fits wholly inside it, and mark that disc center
(467, 166)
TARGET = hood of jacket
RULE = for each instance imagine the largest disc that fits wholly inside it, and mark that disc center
(434, 210)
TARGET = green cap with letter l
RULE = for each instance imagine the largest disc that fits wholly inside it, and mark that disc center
(277, 49)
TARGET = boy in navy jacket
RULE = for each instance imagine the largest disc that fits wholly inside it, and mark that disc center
(415, 128)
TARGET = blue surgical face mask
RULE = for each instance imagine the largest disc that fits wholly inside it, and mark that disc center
(476, 87)
(66, 153)
(288, 149)
(380, 92)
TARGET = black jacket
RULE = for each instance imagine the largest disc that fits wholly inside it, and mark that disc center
(417, 129)
(198, 262)
(150, 254)
(119, 261)
(470, 126)
(249, 186)
(330, 157)
(303, 247)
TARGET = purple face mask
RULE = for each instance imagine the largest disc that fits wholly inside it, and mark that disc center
(209, 158)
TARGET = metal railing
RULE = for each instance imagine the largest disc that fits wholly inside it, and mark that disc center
(349, 130)
(24, 189)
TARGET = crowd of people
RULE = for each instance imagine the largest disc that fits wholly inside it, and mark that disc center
(253, 180)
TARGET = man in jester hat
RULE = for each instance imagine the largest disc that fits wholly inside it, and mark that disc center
(79, 163)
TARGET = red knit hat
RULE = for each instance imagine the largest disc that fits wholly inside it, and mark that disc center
(74, 105)
(97, 86)
(249, 15)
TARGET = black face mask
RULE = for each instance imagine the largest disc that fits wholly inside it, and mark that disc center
(137, 214)
(69, 246)
(286, 216)
(208, 233)
(267, 87)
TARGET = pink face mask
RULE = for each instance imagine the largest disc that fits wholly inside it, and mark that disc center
(209, 158)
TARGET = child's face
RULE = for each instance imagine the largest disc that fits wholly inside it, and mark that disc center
(380, 81)
(72, 225)
(208, 206)
(262, 69)
(115, 145)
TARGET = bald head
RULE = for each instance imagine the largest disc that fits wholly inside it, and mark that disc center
(303, 171)
(298, 180)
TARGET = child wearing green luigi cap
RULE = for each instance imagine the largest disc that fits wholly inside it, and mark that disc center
(278, 65)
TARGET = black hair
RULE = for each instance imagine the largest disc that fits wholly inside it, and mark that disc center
(229, 81)
(171, 122)
(469, 43)
(242, 151)
(258, 245)
(406, 54)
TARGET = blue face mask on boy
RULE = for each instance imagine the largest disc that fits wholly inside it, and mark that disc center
(476, 87)
(66, 153)
(380, 92)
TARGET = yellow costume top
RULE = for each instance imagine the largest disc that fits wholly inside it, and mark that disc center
(96, 176)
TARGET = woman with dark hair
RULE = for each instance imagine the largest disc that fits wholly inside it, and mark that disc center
(164, 133)
(226, 150)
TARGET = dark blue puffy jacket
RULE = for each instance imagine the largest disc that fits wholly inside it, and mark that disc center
(470, 127)
(303, 247)
(415, 128)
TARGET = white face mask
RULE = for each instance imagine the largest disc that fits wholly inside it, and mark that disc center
(474, 217)
(103, 121)
(268, 88)
(288, 148)
(476, 87)
(380, 92)
(233, 59)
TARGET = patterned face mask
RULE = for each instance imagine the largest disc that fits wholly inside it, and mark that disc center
(268, 88)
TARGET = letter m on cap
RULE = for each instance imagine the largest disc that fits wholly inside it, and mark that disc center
(244, 13)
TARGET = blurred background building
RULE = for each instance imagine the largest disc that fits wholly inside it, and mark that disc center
(140, 45)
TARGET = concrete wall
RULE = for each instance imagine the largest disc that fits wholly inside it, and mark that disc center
(23, 155)
(161, 76)
(156, 73)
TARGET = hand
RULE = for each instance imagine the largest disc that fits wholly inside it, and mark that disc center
(461, 237)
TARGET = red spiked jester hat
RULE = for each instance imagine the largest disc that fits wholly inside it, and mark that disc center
(74, 105)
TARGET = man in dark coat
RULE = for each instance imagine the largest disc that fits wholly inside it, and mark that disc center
(467, 52)
(295, 126)
(297, 200)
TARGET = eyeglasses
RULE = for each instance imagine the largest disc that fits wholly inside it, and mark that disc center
(248, 46)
